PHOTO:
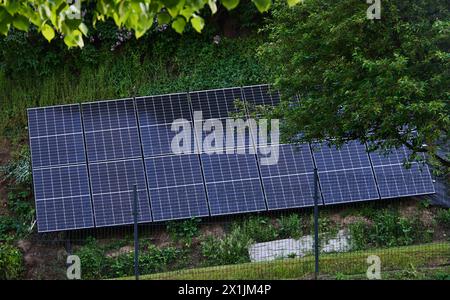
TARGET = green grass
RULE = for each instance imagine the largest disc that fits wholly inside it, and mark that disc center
(350, 263)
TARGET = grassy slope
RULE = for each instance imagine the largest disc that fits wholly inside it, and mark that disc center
(399, 258)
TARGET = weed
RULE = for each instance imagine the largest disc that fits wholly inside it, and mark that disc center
(259, 229)
(183, 231)
(359, 235)
(443, 218)
(231, 249)
(11, 262)
(290, 226)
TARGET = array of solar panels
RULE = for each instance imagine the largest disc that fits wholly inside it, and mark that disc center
(87, 158)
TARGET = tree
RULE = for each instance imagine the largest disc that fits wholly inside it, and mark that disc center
(385, 82)
(66, 16)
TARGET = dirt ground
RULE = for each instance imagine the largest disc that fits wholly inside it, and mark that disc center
(5, 152)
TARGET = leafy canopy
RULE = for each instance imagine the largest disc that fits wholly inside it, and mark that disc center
(67, 16)
(382, 81)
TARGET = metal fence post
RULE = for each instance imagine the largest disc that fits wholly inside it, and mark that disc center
(316, 224)
(136, 236)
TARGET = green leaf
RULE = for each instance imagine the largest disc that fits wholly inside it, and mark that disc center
(163, 18)
(293, 2)
(5, 20)
(262, 5)
(83, 28)
(212, 6)
(230, 4)
(74, 38)
(179, 24)
(12, 6)
(48, 32)
(21, 23)
(187, 12)
(198, 23)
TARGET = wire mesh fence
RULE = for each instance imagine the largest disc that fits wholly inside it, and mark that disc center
(398, 239)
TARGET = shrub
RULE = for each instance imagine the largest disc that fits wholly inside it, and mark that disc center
(443, 218)
(327, 229)
(22, 214)
(359, 235)
(231, 249)
(290, 226)
(158, 260)
(7, 227)
(185, 230)
(11, 262)
(388, 229)
(94, 263)
(259, 229)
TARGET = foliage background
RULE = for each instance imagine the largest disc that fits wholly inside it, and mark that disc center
(34, 72)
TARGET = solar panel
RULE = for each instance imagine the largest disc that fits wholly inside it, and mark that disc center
(290, 182)
(175, 181)
(61, 187)
(115, 162)
(87, 158)
(345, 174)
(396, 180)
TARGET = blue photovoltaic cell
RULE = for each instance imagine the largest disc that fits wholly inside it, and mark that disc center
(219, 167)
(345, 174)
(157, 140)
(55, 120)
(64, 214)
(348, 186)
(237, 196)
(261, 95)
(169, 171)
(290, 191)
(233, 183)
(58, 150)
(290, 160)
(62, 198)
(112, 192)
(396, 180)
(176, 187)
(60, 178)
(163, 109)
(113, 144)
(184, 202)
(227, 134)
(111, 130)
(60, 182)
(161, 119)
(215, 104)
(107, 115)
(289, 182)
(115, 162)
